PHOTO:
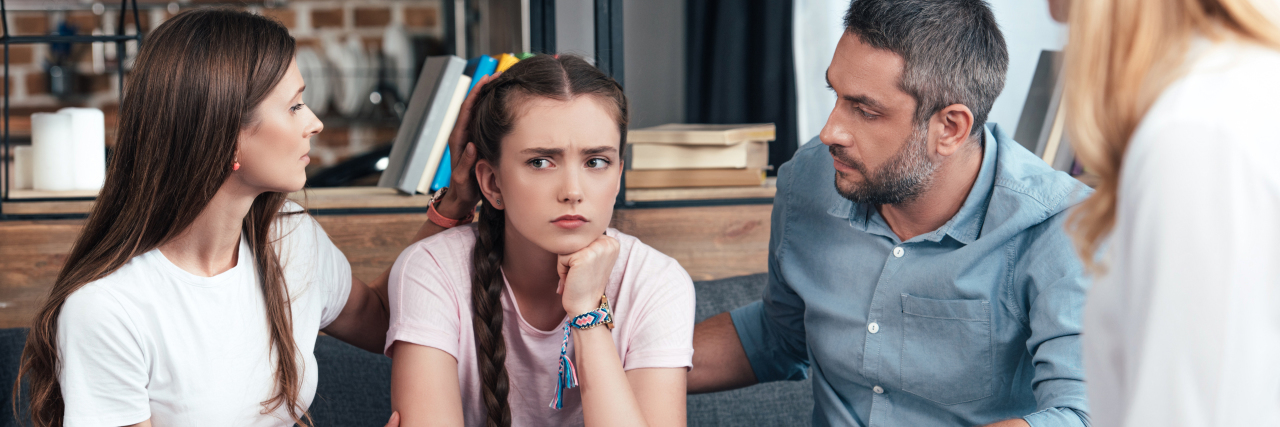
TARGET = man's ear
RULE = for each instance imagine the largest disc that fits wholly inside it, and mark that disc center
(487, 177)
(952, 125)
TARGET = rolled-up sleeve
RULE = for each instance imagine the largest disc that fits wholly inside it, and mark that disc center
(1056, 288)
(772, 330)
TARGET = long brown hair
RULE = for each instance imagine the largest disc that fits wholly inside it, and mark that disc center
(1121, 56)
(561, 78)
(194, 86)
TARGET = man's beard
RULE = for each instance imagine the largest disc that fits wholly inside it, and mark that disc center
(903, 178)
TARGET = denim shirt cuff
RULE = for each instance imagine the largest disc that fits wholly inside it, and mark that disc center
(1057, 417)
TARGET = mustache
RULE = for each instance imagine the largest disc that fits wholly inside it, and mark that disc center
(838, 153)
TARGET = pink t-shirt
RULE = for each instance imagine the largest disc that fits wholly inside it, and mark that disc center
(430, 289)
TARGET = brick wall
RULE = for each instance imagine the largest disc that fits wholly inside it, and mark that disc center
(97, 84)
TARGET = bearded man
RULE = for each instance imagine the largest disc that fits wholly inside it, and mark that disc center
(933, 283)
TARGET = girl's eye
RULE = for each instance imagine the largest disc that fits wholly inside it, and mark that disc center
(598, 163)
(295, 108)
(540, 163)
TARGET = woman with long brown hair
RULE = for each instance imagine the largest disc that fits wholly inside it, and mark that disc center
(493, 324)
(1171, 104)
(194, 294)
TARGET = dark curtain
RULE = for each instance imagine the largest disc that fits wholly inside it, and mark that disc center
(741, 68)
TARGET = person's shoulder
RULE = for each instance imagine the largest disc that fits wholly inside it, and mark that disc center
(449, 250)
(1228, 89)
(642, 259)
(1025, 184)
(98, 303)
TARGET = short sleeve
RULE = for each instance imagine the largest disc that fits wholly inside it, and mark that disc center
(307, 250)
(425, 303)
(104, 370)
(663, 322)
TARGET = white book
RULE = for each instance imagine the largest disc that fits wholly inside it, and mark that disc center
(442, 138)
(748, 154)
(419, 131)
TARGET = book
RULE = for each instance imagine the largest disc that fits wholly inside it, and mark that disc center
(702, 134)
(676, 178)
(442, 135)
(477, 68)
(506, 61)
(743, 155)
(428, 106)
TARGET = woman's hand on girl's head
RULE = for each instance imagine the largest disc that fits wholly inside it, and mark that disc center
(584, 274)
(464, 193)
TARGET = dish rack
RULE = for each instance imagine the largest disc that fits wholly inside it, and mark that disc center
(119, 38)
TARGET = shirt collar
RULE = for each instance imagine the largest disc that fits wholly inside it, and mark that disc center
(965, 226)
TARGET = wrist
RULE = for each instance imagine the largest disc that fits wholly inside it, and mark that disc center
(579, 308)
(454, 208)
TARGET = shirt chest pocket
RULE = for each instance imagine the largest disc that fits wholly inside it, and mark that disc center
(947, 349)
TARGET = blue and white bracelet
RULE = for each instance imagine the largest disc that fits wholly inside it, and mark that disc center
(568, 376)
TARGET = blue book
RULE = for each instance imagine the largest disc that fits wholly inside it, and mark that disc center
(477, 68)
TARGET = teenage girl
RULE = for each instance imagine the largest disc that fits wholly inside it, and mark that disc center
(494, 323)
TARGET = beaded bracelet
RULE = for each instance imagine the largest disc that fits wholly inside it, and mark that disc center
(568, 376)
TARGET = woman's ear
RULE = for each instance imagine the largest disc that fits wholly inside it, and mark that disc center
(487, 177)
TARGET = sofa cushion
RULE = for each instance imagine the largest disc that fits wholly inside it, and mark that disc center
(354, 387)
(788, 403)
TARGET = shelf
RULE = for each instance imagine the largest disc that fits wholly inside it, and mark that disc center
(66, 39)
(31, 204)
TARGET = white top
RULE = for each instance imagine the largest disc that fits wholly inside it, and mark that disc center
(152, 341)
(650, 295)
(1184, 329)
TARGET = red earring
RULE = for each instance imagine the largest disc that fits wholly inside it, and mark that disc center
(235, 166)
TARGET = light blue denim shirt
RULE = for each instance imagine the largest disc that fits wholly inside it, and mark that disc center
(973, 323)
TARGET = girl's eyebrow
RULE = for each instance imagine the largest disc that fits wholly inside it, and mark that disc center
(540, 151)
(599, 150)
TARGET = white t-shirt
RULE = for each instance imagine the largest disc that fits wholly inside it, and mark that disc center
(152, 341)
(430, 288)
(1184, 329)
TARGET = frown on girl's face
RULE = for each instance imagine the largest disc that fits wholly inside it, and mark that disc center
(558, 173)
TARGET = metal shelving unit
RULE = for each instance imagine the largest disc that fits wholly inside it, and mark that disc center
(120, 38)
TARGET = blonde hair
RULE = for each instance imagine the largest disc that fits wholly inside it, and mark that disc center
(1121, 55)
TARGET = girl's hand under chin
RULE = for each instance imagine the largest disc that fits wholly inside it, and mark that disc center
(585, 273)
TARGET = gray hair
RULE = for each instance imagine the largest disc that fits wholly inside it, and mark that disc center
(953, 50)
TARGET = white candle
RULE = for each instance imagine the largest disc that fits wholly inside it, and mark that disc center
(21, 167)
(88, 149)
(52, 167)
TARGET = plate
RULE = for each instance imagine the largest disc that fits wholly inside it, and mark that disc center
(398, 50)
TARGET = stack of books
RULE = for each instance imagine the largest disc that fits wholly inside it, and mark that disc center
(699, 155)
(420, 161)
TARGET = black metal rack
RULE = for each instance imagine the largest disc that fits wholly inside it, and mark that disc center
(120, 38)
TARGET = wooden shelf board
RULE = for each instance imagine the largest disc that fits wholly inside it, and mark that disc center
(312, 198)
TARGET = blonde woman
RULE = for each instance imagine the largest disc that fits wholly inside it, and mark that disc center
(1172, 106)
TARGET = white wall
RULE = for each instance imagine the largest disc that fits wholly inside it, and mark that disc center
(1027, 29)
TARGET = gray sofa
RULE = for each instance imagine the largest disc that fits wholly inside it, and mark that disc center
(354, 388)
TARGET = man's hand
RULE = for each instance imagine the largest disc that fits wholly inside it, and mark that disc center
(464, 191)
(1016, 422)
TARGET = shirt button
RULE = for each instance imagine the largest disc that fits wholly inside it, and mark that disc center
(877, 389)
(898, 252)
(873, 327)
